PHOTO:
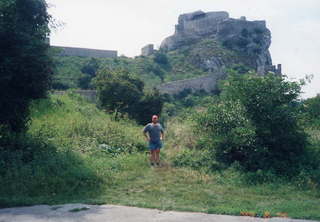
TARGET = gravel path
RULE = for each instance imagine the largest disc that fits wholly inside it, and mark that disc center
(111, 213)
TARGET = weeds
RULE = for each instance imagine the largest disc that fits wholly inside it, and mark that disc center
(71, 165)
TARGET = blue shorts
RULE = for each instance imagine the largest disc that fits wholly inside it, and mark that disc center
(155, 145)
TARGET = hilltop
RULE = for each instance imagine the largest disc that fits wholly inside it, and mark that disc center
(204, 45)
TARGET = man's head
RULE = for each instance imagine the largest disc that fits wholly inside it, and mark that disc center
(155, 119)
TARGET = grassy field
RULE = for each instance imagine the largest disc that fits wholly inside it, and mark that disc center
(83, 155)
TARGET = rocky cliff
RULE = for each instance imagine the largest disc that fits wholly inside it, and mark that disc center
(215, 41)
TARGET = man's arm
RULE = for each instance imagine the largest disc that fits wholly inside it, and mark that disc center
(145, 133)
(162, 135)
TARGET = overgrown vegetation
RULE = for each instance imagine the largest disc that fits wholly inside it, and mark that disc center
(310, 111)
(256, 124)
(154, 70)
(186, 62)
(259, 127)
(90, 71)
(81, 154)
(25, 66)
(121, 92)
(252, 150)
(67, 152)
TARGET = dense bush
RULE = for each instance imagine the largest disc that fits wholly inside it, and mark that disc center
(118, 90)
(150, 104)
(230, 134)
(89, 70)
(195, 159)
(311, 112)
(64, 121)
(68, 152)
(121, 92)
(25, 67)
(256, 123)
(161, 58)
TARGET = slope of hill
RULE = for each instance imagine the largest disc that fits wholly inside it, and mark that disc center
(203, 43)
(68, 69)
(81, 155)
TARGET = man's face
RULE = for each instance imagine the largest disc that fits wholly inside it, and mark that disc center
(154, 119)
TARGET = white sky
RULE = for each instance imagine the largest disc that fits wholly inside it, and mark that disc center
(128, 25)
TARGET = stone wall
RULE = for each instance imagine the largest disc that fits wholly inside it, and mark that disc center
(200, 23)
(147, 50)
(83, 52)
(90, 95)
(207, 83)
(275, 69)
(193, 26)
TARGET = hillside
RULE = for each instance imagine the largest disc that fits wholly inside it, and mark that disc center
(80, 154)
(203, 44)
(68, 69)
(161, 67)
(234, 139)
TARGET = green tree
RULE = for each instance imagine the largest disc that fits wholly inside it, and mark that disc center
(118, 90)
(265, 127)
(89, 70)
(121, 92)
(311, 111)
(229, 134)
(161, 58)
(91, 67)
(85, 82)
(150, 104)
(25, 67)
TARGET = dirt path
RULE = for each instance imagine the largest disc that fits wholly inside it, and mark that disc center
(111, 213)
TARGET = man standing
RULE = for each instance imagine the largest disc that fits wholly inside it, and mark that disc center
(154, 134)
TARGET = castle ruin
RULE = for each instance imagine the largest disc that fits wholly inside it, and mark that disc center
(195, 26)
(148, 50)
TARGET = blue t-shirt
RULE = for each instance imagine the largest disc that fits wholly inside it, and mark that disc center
(154, 131)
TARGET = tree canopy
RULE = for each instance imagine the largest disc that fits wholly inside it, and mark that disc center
(25, 66)
(122, 92)
(256, 123)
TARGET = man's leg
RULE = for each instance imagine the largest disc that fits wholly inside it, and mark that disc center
(157, 156)
(152, 157)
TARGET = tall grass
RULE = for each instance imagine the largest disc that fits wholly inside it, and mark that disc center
(74, 153)
(66, 153)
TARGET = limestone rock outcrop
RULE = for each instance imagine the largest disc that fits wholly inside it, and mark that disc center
(250, 39)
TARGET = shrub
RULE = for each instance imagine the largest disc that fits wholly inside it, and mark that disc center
(195, 159)
(121, 92)
(89, 70)
(229, 134)
(256, 123)
(161, 58)
(91, 67)
(311, 111)
(85, 82)
(118, 90)
(150, 104)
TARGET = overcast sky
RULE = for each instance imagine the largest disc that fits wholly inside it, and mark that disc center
(128, 25)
